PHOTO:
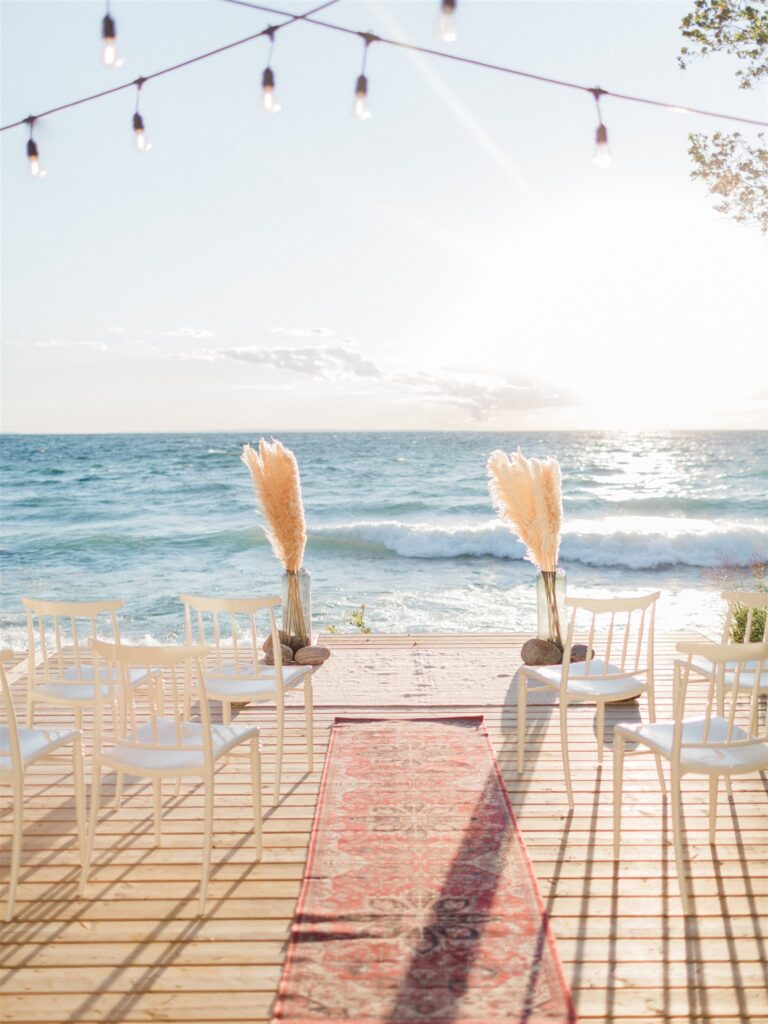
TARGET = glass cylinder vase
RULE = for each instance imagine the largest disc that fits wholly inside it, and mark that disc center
(550, 607)
(297, 606)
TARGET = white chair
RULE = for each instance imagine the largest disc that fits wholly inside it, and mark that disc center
(235, 672)
(618, 666)
(19, 748)
(60, 658)
(158, 741)
(707, 744)
(748, 603)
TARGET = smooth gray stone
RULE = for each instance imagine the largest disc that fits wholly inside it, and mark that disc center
(541, 652)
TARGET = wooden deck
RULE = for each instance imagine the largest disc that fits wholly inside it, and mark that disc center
(135, 951)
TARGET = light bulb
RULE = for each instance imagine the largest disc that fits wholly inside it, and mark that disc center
(34, 160)
(361, 99)
(138, 131)
(602, 157)
(446, 25)
(109, 35)
(268, 92)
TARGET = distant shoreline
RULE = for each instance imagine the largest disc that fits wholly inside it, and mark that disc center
(252, 431)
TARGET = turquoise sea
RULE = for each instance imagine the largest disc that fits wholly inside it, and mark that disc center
(398, 522)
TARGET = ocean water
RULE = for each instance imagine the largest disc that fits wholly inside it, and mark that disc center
(398, 522)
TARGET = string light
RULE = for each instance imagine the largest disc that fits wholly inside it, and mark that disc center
(138, 122)
(446, 24)
(109, 38)
(504, 69)
(602, 157)
(33, 157)
(361, 111)
(268, 79)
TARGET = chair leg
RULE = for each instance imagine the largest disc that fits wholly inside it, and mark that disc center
(564, 745)
(618, 780)
(677, 832)
(119, 776)
(660, 773)
(95, 801)
(77, 760)
(522, 707)
(308, 707)
(30, 711)
(226, 712)
(600, 730)
(207, 842)
(713, 783)
(157, 792)
(79, 718)
(651, 694)
(256, 785)
(279, 753)
(18, 805)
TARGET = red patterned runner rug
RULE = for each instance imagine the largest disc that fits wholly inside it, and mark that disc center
(419, 903)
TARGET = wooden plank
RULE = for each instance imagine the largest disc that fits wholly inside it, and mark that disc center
(136, 951)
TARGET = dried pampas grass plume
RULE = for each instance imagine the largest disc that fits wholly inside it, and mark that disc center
(527, 494)
(275, 475)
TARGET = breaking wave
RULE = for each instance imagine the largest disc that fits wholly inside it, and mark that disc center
(708, 545)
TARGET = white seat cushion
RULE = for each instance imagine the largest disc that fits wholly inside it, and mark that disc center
(78, 690)
(659, 736)
(33, 744)
(155, 759)
(226, 684)
(613, 686)
(704, 667)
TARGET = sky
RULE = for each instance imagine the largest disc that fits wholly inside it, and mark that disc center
(454, 262)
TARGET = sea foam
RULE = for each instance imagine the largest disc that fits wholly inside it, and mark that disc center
(609, 543)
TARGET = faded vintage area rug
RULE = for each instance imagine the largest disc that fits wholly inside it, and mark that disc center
(419, 903)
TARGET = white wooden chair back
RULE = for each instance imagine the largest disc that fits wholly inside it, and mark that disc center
(9, 726)
(229, 627)
(60, 634)
(751, 602)
(618, 634)
(738, 669)
(174, 679)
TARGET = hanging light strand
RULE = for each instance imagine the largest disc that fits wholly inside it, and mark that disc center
(33, 157)
(309, 19)
(361, 110)
(109, 41)
(446, 55)
(138, 121)
(446, 24)
(268, 78)
(290, 20)
(602, 155)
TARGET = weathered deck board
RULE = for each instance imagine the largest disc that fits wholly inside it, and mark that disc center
(135, 950)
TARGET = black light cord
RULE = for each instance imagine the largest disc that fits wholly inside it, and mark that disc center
(370, 38)
(270, 31)
(677, 107)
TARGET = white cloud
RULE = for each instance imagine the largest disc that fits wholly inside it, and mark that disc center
(196, 333)
(201, 355)
(329, 362)
(303, 332)
(96, 346)
(338, 362)
(482, 400)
